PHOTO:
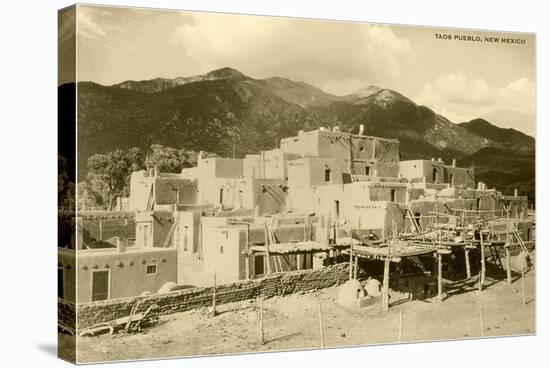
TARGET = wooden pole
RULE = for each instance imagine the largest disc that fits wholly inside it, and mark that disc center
(356, 268)
(262, 341)
(214, 297)
(439, 277)
(386, 285)
(507, 248)
(482, 249)
(508, 265)
(481, 321)
(400, 326)
(321, 334)
(268, 258)
(523, 284)
(467, 258)
(351, 260)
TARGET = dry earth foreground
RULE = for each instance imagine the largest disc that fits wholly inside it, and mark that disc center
(293, 322)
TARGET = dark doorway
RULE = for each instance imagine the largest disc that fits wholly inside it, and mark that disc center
(259, 265)
(327, 175)
(60, 283)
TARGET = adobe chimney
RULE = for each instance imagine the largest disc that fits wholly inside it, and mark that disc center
(120, 245)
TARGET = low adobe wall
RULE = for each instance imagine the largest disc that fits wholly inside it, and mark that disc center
(91, 314)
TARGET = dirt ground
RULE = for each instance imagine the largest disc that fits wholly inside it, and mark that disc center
(292, 322)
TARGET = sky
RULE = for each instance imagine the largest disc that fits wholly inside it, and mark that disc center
(457, 78)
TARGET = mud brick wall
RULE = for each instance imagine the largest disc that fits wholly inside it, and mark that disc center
(91, 314)
(66, 313)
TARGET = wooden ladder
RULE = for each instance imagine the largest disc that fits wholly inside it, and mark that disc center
(171, 231)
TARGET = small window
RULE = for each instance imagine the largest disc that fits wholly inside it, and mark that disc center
(221, 249)
(392, 195)
(327, 174)
(151, 269)
(367, 170)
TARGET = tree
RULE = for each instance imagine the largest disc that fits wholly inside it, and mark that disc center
(172, 160)
(109, 173)
(65, 186)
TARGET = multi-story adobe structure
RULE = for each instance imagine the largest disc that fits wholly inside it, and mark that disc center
(291, 207)
(318, 186)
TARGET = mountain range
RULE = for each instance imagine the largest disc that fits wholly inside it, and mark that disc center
(225, 109)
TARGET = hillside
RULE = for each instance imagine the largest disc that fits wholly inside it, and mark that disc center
(505, 170)
(225, 108)
(508, 138)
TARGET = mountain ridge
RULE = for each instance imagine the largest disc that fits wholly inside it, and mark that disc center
(225, 107)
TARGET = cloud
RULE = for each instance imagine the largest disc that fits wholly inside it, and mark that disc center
(460, 98)
(319, 52)
(98, 23)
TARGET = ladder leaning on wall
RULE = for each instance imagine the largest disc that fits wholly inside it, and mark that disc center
(171, 231)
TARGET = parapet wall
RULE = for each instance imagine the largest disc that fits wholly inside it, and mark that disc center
(91, 314)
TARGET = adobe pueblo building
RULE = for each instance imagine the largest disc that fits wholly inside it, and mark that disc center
(322, 197)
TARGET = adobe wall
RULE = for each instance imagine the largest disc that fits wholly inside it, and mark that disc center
(140, 190)
(127, 271)
(279, 284)
(95, 229)
(174, 190)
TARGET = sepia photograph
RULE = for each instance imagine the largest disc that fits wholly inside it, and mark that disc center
(233, 184)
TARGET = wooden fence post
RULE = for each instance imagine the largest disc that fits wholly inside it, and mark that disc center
(386, 285)
(508, 265)
(523, 284)
(262, 341)
(321, 325)
(214, 297)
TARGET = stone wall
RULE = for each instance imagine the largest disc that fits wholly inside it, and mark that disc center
(66, 313)
(91, 314)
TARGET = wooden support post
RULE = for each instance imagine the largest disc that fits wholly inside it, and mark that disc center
(214, 297)
(439, 277)
(321, 334)
(482, 250)
(351, 260)
(508, 265)
(268, 258)
(247, 266)
(523, 284)
(261, 328)
(356, 268)
(386, 285)
(467, 258)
